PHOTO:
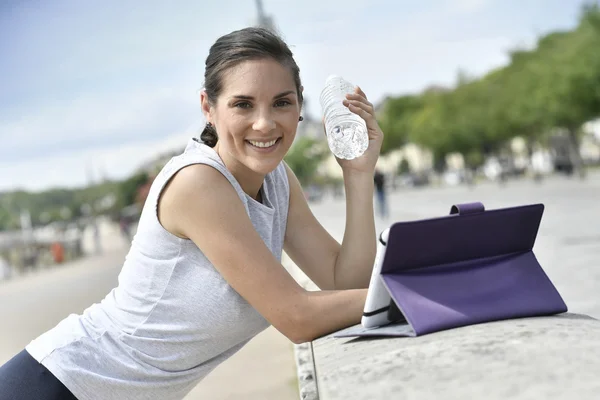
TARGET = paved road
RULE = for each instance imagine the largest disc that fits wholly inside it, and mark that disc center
(568, 243)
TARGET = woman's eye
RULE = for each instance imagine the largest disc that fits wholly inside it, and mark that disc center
(243, 104)
(282, 103)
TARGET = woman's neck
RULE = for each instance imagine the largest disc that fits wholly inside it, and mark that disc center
(250, 181)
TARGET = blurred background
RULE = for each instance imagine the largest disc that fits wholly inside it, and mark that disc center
(97, 96)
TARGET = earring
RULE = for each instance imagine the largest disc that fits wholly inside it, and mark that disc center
(301, 118)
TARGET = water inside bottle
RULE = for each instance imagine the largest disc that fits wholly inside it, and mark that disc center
(347, 134)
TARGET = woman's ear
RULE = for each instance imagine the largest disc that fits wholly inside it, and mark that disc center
(206, 107)
(301, 94)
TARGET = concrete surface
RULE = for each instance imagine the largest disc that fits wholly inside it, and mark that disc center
(534, 358)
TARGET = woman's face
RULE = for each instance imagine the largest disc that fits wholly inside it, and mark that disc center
(256, 115)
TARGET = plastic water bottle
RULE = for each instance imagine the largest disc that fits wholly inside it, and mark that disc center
(347, 133)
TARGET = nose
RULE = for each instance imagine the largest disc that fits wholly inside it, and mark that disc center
(264, 123)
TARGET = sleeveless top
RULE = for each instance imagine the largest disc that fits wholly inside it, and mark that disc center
(172, 318)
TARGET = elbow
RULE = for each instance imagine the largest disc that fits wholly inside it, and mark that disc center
(300, 339)
(299, 327)
(305, 333)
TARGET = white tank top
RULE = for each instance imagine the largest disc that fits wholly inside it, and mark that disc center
(172, 318)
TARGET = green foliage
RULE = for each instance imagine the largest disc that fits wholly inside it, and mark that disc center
(556, 84)
(50, 205)
(395, 120)
(128, 189)
(304, 158)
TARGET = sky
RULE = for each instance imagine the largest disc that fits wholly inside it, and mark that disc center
(93, 89)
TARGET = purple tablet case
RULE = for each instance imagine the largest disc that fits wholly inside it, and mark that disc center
(470, 267)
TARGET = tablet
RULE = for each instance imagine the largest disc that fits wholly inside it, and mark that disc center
(470, 267)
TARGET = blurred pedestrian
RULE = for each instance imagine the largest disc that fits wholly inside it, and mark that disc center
(58, 252)
(380, 192)
(124, 227)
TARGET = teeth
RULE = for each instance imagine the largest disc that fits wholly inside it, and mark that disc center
(262, 144)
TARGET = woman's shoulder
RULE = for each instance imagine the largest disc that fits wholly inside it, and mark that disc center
(198, 180)
(192, 191)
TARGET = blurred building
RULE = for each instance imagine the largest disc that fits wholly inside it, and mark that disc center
(311, 128)
(264, 20)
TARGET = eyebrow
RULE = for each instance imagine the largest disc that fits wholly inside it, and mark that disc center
(278, 96)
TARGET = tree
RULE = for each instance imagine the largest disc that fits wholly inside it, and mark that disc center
(568, 65)
(554, 85)
(305, 156)
(128, 189)
(395, 120)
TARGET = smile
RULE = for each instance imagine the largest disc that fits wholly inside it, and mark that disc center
(263, 145)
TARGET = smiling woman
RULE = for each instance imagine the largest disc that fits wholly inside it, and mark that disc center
(204, 275)
(256, 115)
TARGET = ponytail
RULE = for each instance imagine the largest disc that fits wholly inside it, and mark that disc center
(209, 135)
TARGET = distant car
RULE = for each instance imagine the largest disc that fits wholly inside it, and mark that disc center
(453, 178)
(5, 270)
(562, 157)
(492, 169)
(414, 179)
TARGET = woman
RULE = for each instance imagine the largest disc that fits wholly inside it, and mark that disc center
(203, 275)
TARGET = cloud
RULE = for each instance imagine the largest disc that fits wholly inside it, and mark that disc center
(77, 168)
(93, 119)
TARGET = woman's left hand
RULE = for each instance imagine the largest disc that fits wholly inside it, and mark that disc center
(358, 104)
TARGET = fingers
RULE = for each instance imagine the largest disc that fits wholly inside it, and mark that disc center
(359, 91)
(358, 101)
(361, 109)
(358, 104)
(368, 107)
(359, 97)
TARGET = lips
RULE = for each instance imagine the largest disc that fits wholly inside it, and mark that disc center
(261, 144)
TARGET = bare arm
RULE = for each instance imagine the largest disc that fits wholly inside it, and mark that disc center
(359, 246)
(200, 204)
(357, 255)
(324, 260)
(327, 263)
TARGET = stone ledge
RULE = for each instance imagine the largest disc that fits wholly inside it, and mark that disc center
(305, 367)
(556, 357)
